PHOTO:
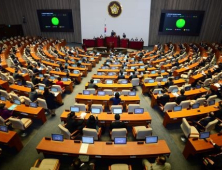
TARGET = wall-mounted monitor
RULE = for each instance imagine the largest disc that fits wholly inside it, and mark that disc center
(59, 20)
(180, 22)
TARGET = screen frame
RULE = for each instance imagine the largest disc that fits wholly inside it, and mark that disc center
(120, 143)
(161, 21)
(57, 140)
(150, 137)
(88, 137)
(39, 11)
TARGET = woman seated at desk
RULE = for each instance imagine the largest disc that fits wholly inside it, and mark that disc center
(92, 122)
(116, 100)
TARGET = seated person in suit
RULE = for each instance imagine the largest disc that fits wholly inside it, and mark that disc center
(4, 112)
(181, 97)
(218, 113)
(121, 76)
(73, 124)
(92, 85)
(60, 83)
(209, 74)
(169, 83)
(122, 69)
(78, 165)
(159, 164)
(214, 161)
(117, 123)
(203, 122)
(35, 80)
(116, 100)
(133, 76)
(163, 99)
(16, 75)
(46, 81)
(92, 122)
(33, 95)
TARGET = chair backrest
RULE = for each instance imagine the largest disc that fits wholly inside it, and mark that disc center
(159, 79)
(108, 91)
(156, 91)
(64, 131)
(27, 100)
(125, 92)
(146, 80)
(2, 121)
(92, 90)
(42, 103)
(90, 132)
(169, 106)
(116, 107)
(211, 98)
(5, 94)
(185, 127)
(142, 133)
(121, 132)
(200, 100)
(135, 81)
(58, 87)
(131, 107)
(185, 104)
(14, 96)
(171, 88)
(17, 123)
(211, 125)
(207, 82)
(30, 84)
(82, 107)
(11, 79)
(99, 106)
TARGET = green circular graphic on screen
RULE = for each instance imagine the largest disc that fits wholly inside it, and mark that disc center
(55, 21)
(180, 23)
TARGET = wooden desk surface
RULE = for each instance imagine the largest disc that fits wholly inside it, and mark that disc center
(192, 79)
(100, 148)
(193, 147)
(104, 77)
(108, 70)
(6, 137)
(114, 85)
(163, 83)
(20, 88)
(180, 71)
(107, 119)
(106, 97)
(174, 117)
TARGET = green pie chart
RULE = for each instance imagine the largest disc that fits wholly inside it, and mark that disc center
(55, 21)
(180, 23)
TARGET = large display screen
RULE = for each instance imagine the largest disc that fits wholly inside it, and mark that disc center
(177, 22)
(55, 20)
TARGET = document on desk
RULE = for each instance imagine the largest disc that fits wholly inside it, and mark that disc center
(56, 93)
(12, 107)
(84, 148)
(175, 94)
(82, 116)
(217, 84)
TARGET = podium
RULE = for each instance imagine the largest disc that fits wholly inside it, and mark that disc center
(124, 43)
(100, 42)
(114, 40)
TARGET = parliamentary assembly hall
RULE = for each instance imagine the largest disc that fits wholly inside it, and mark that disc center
(110, 85)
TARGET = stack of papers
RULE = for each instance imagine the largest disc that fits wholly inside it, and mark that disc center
(82, 115)
(84, 148)
(12, 107)
(217, 84)
(175, 94)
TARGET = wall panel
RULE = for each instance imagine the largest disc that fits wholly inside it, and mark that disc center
(211, 29)
(13, 10)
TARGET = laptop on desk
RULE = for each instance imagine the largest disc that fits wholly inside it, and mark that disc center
(95, 111)
(138, 110)
(120, 140)
(57, 137)
(117, 111)
(74, 109)
(88, 139)
(177, 108)
(151, 139)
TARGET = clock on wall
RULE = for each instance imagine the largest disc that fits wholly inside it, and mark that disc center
(114, 9)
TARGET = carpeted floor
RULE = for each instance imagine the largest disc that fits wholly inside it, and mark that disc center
(11, 160)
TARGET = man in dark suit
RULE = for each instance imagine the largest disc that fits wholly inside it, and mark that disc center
(78, 165)
(169, 83)
(133, 76)
(121, 76)
(181, 97)
(117, 123)
(163, 99)
(214, 161)
(73, 124)
(92, 85)
(203, 122)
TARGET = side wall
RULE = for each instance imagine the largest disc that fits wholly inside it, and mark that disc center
(12, 12)
(212, 24)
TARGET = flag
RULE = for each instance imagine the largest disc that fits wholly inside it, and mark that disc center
(105, 29)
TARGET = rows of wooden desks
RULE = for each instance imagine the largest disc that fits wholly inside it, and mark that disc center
(184, 69)
(105, 119)
(63, 74)
(174, 117)
(5, 85)
(25, 90)
(148, 86)
(115, 86)
(194, 78)
(101, 150)
(12, 70)
(26, 111)
(194, 147)
(11, 139)
(189, 94)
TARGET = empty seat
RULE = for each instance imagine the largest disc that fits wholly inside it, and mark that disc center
(140, 132)
(82, 107)
(185, 104)
(131, 107)
(92, 132)
(121, 132)
(169, 106)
